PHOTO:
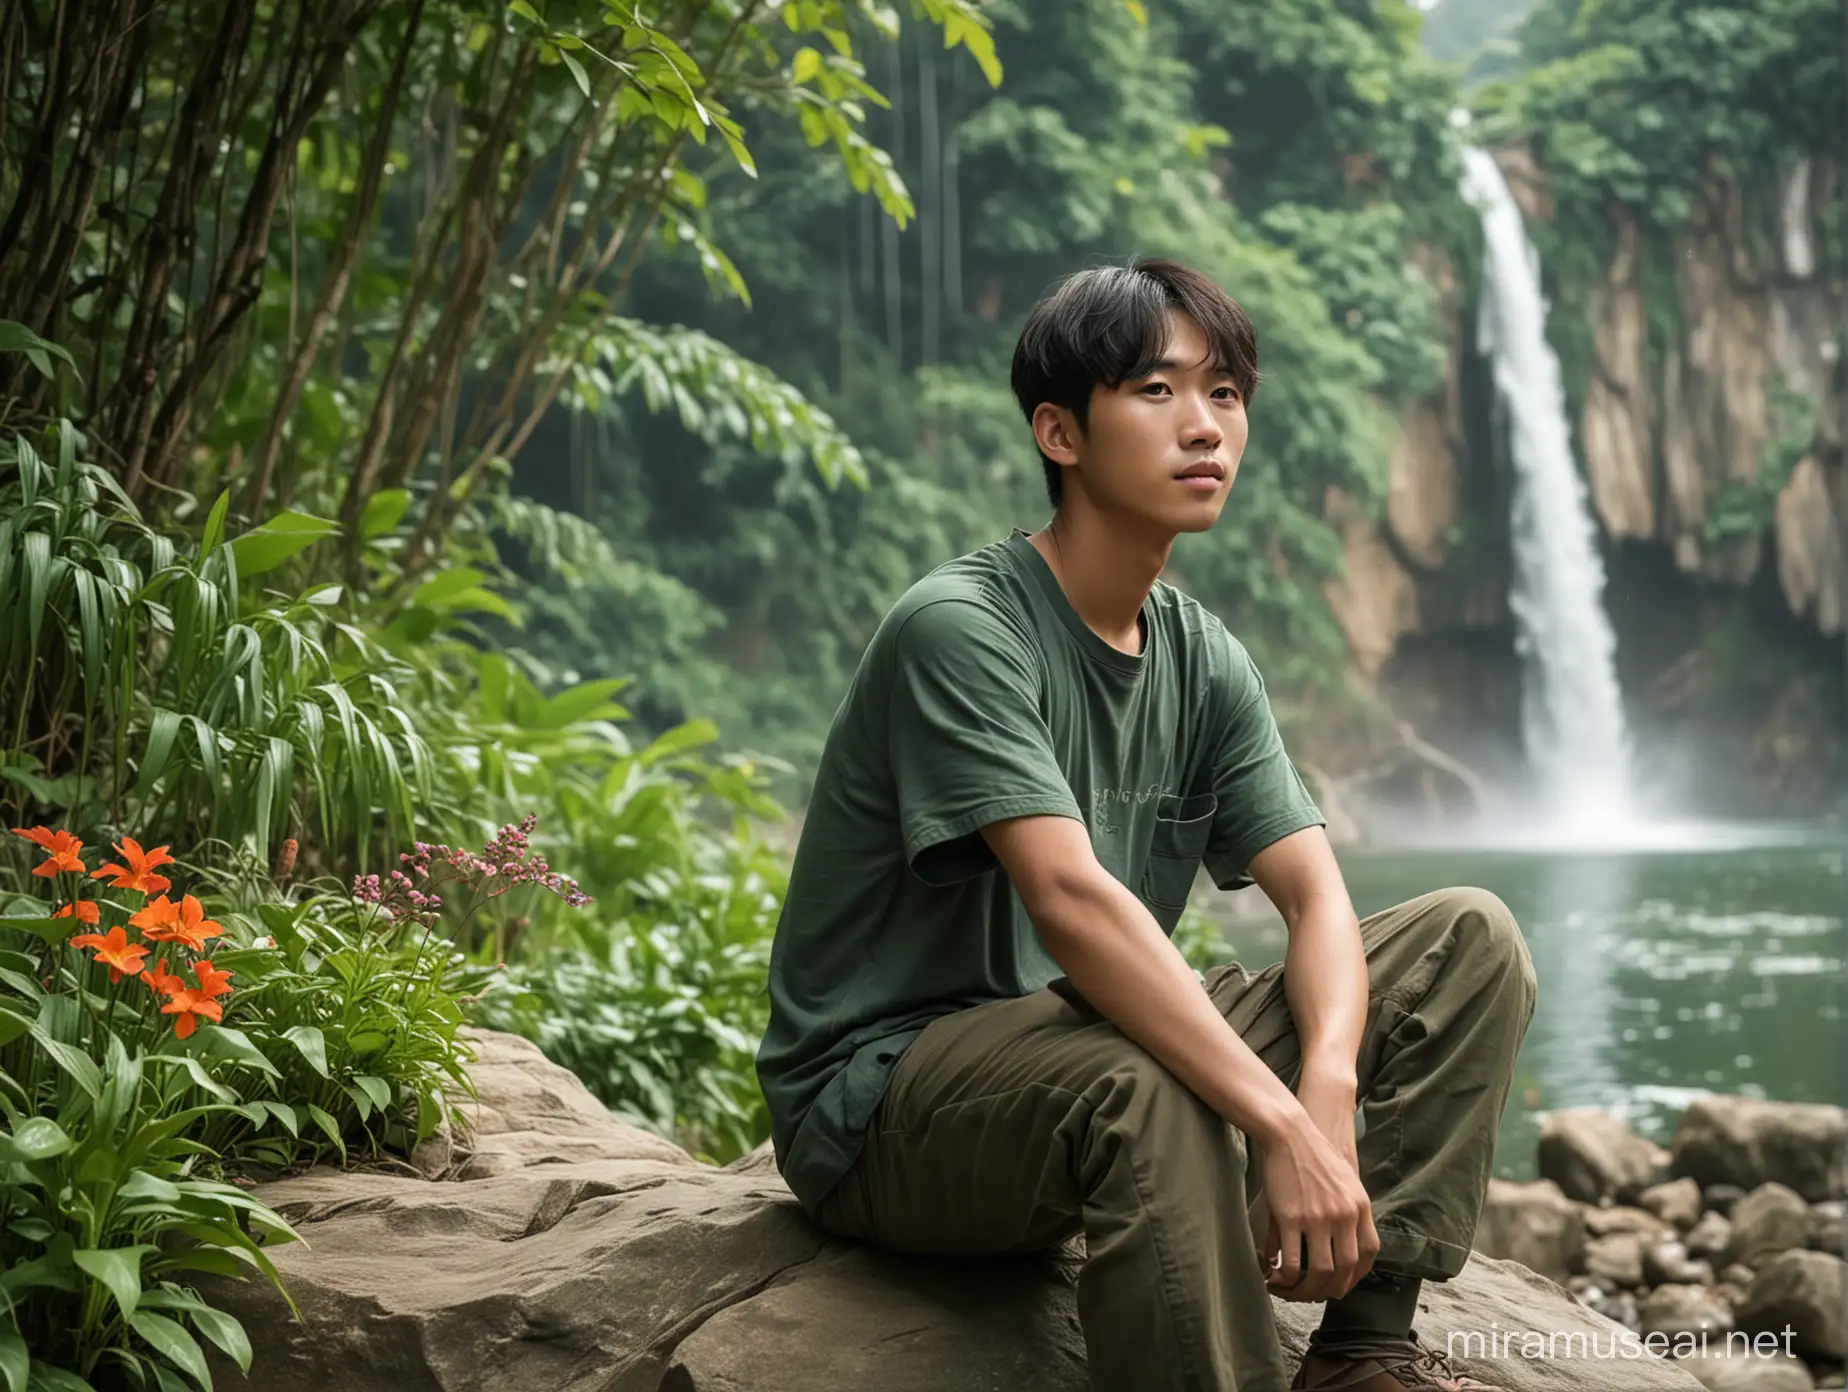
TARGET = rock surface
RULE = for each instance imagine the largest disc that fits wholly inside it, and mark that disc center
(1591, 1155)
(571, 1253)
(1743, 1141)
(1804, 1292)
(1533, 1224)
(1769, 1220)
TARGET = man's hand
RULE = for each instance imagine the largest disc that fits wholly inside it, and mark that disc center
(1321, 1221)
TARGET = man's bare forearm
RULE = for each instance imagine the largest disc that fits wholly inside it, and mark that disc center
(1325, 983)
(1120, 961)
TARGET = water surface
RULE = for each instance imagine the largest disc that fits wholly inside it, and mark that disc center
(1705, 962)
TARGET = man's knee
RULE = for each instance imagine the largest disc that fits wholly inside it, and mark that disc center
(1488, 932)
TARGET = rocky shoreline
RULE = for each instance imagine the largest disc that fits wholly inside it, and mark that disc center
(549, 1247)
(1725, 1249)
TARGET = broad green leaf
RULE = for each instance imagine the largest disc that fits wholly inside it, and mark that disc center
(118, 1269)
(283, 536)
(329, 1127)
(376, 1089)
(14, 1361)
(806, 66)
(140, 1186)
(35, 1138)
(312, 1045)
(170, 1338)
(224, 1331)
(79, 1065)
(52, 930)
(47, 1378)
(17, 338)
(439, 589)
(223, 1041)
(384, 510)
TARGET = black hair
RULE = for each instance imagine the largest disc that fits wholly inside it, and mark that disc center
(1107, 325)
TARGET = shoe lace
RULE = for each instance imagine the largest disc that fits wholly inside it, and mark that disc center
(1394, 1356)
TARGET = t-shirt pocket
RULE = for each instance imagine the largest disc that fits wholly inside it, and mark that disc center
(1183, 825)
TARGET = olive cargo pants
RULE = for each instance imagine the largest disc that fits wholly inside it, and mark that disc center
(1011, 1126)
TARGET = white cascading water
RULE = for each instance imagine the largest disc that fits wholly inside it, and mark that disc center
(1572, 711)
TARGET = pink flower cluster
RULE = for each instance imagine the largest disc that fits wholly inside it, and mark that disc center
(506, 862)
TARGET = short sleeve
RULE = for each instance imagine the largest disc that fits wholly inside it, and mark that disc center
(1261, 797)
(968, 742)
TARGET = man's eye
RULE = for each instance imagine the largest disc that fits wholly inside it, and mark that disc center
(1226, 393)
(1155, 387)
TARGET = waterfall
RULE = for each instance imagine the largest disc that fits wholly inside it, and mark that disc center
(1571, 710)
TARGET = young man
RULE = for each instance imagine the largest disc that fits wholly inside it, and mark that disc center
(982, 1039)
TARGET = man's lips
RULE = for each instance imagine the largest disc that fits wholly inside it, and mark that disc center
(1207, 471)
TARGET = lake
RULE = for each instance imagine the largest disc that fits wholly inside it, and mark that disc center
(1705, 959)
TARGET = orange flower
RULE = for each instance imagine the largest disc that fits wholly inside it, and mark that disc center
(188, 926)
(189, 1004)
(138, 874)
(185, 922)
(157, 919)
(115, 952)
(160, 982)
(59, 845)
(85, 911)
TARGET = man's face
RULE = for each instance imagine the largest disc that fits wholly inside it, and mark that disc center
(1164, 448)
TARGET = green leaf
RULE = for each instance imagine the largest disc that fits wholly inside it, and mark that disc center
(224, 1331)
(79, 1065)
(311, 1043)
(578, 74)
(35, 1138)
(17, 338)
(170, 1338)
(140, 1186)
(15, 1362)
(439, 589)
(384, 510)
(329, 1127)
(524, 10)
(225, 1042)
(118, 1269)
(46, 1378)
(52, 930)
(163, 730)
(215, 525)
(375, 1088)
(806, 66)
(277, 540)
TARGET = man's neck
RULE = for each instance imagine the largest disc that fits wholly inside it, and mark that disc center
(1105, 571)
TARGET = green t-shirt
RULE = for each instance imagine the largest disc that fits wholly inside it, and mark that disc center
(984, 696)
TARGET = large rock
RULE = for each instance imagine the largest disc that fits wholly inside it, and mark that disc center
(1672, 1310)
(1719, 1371)
(1743, 1141)
(1677, 1202)
(1592, 1156)
(1533, 1224)
(1802, 1292)
(639, 1270)
(1769, 1220)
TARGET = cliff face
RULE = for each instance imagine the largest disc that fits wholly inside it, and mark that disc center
(1709, 394)
(1665, 441)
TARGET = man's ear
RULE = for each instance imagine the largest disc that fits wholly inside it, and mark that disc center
(1055, 430)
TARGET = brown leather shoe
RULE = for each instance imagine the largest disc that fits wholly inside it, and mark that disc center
(1381, 1364)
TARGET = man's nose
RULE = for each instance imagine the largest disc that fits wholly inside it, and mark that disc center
(1200, 428)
